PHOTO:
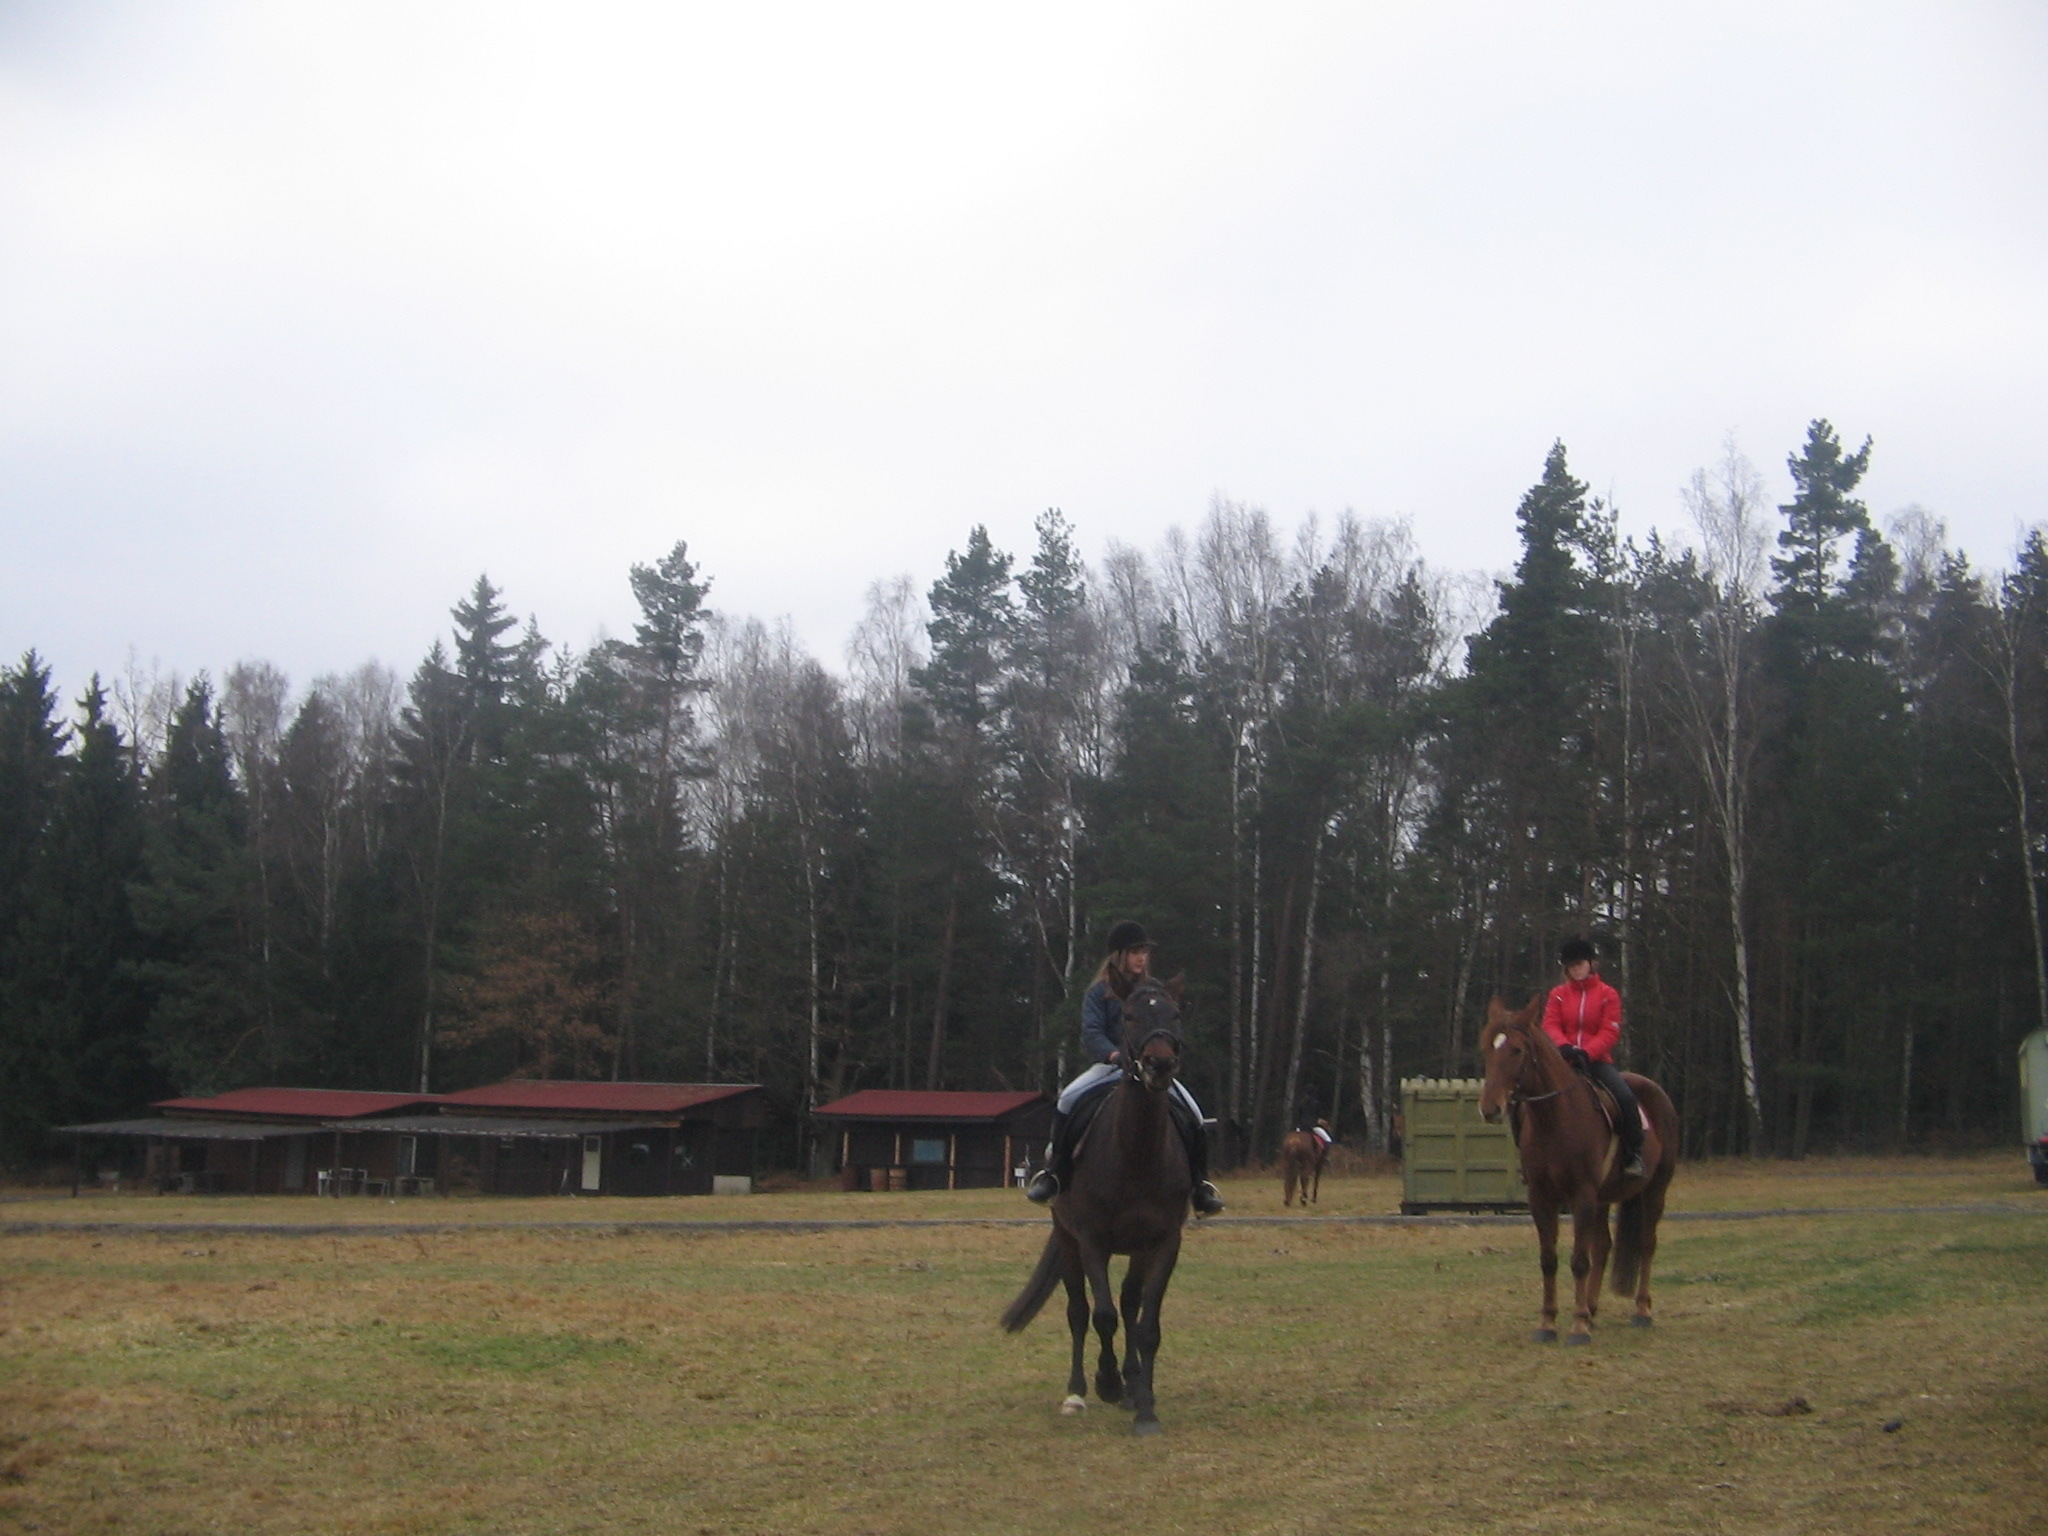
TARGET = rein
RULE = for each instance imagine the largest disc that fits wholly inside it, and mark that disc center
(1517, 1098)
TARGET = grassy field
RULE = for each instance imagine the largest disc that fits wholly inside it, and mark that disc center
(1315, 1377)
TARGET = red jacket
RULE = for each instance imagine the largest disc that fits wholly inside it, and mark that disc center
(1586, 1014)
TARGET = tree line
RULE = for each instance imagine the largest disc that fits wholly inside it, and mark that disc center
(1786, 771)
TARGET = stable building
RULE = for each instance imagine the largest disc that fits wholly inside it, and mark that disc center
(903, 1139)
(524, 1137)
(544, 1137)
(260, 1141)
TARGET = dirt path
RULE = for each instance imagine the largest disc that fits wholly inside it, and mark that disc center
(713, 1227)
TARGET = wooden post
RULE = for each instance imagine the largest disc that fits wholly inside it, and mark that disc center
(77, 1160)
(952, 1162)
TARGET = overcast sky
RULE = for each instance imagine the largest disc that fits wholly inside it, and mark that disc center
(310, 313)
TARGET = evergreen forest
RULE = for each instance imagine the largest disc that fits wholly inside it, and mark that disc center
(1783, 766)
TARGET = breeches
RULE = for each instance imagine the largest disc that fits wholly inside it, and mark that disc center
(1102, 1072)
(1625, 1109)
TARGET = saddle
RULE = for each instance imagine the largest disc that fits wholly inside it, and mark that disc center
(1608, 1108)
(1082, 1120)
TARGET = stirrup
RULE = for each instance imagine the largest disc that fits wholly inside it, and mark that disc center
(1633, 1167)
(1205, 1199)
(1043, 1186)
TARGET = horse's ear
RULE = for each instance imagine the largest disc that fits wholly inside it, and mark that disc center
(1529, 1015)
(1119, 983)
(1496, 1010)
(1173, 986)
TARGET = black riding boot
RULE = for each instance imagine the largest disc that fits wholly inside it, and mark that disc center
(1628, 1118)
(1058, 1171)
(1205, 1198)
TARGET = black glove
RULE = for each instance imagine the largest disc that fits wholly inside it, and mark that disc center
(1575, 1058)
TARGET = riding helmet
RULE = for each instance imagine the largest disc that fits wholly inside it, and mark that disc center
(1572, 951)
(1128, 935)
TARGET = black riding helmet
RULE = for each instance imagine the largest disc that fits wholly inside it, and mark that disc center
(1127, 935)
(1572, 951)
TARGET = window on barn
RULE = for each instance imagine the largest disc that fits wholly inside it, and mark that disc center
(928, 1150)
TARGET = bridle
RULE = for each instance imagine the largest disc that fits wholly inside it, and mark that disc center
(1517, 1098)
(1133, 1062)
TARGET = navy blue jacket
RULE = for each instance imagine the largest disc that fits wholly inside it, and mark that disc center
(1102, 1022)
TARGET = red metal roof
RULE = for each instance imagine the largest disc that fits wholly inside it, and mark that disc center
(298, 1103)
(910, 1104)
(624, 1098)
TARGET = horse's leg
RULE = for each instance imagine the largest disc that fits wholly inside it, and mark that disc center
(1543, 1211)
(1318, 1193)
(1584, 1213)
(1603, 1247)
(1109, 1381)
(1652, 1213)
(1144, 1336)
(1077, 1328)
(1131, 1302)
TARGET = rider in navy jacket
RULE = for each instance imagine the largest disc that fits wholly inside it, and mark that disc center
(1102, 1025)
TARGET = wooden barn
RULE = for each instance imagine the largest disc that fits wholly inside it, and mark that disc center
(543, 1137)
(513, 1138)
(261, 1141)
(902, 1139)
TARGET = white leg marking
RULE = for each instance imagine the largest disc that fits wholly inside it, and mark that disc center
(1074, 1404)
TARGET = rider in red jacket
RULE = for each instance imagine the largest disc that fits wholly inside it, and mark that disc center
(1583, 1018)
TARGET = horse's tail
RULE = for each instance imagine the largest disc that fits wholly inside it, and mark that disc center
(1627, 1261)
(1020, 1312)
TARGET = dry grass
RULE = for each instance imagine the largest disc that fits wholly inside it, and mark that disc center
(1315, 1378)
(2000, 1177)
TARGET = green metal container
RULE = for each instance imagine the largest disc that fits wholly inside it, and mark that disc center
(1451, 1160)
(2034, 1101)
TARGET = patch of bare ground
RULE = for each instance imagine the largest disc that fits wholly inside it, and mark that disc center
(1314, 1378)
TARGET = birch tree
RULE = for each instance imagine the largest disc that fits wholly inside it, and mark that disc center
(1727, 507)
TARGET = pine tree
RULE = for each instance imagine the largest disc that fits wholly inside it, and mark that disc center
(973, 623)
(74, 1005)
(32, 741)
(196, 909)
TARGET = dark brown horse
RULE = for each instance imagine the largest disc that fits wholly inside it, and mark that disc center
(1129, 1195)
(1571, 1161)
(1301, 1165)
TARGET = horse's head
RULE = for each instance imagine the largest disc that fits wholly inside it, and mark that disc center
(1151, 1030)
(1505, 1051)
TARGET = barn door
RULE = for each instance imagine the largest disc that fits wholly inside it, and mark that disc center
(593, 1163)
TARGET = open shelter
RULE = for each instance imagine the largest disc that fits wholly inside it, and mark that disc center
(259, 1141)
(891, 1138)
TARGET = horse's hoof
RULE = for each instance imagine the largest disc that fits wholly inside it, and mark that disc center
(1543, 1336)
(1146, 1428)
(1074, 1404)
(1578, 1338)
(1640, 1320)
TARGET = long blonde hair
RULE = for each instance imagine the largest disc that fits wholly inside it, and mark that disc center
(1102, 971)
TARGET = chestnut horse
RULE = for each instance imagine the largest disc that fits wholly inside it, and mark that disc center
(1301, 1165)
(1571, 1161)
(1129, 1195)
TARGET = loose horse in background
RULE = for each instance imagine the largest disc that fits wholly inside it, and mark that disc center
(1302, 1154)
(1570, 1160)
(1129, 1196)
